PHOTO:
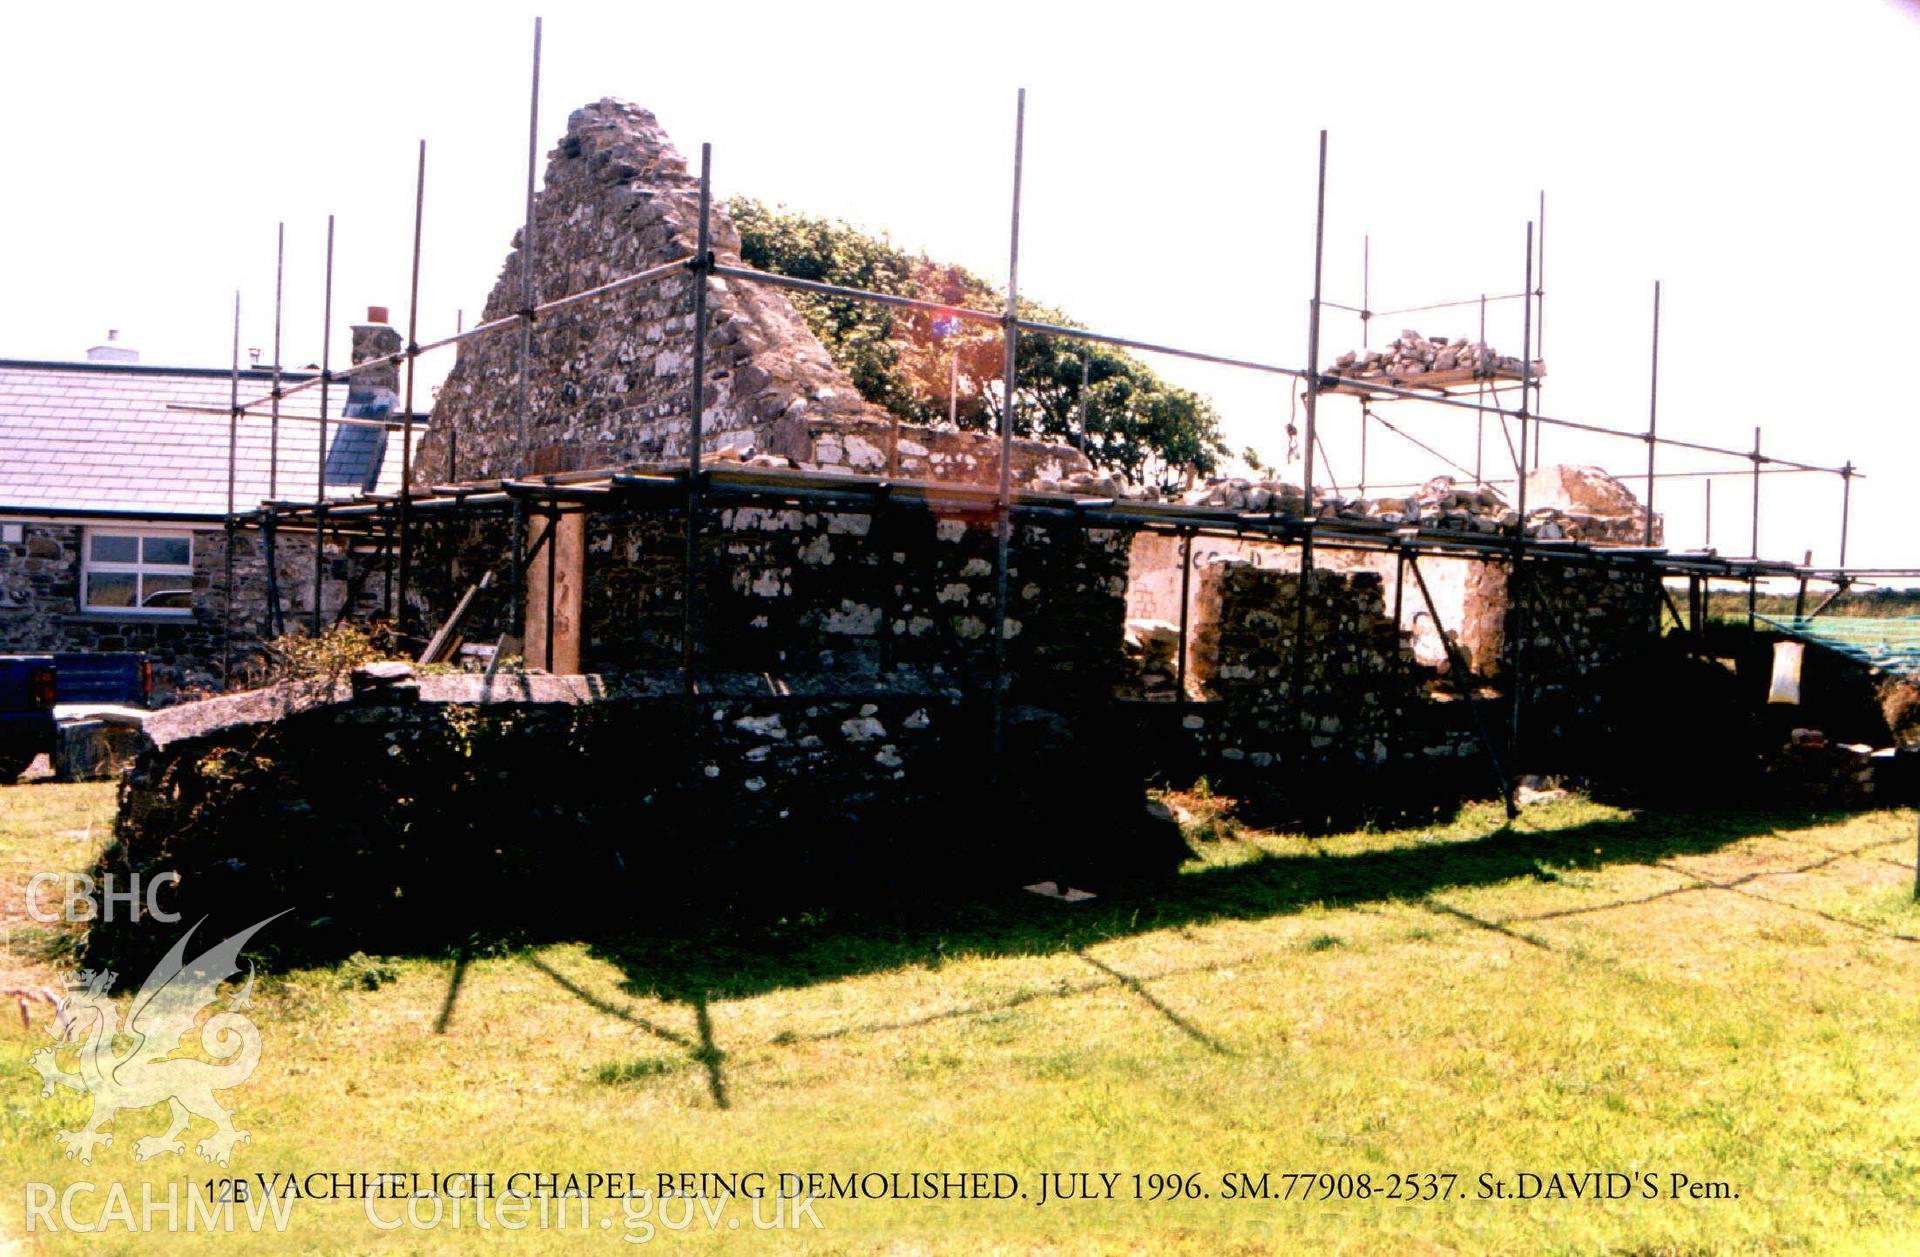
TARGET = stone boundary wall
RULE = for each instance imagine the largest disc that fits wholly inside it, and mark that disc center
(398, 812)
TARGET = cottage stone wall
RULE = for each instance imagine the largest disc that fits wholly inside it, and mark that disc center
(40, 604)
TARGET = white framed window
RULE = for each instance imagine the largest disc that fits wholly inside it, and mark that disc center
(137, 571)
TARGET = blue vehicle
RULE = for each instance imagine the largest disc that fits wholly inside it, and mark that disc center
(33, 686)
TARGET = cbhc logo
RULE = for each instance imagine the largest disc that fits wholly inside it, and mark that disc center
(79, 903)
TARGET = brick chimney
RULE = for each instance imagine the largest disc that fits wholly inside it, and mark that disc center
(374, 394)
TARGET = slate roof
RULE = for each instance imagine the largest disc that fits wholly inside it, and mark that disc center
(99, 436)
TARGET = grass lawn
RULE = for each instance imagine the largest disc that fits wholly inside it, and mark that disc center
(1733, 997)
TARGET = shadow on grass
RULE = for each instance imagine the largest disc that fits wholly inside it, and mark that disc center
(735, 957)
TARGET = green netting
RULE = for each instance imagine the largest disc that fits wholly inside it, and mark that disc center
(1892, 642)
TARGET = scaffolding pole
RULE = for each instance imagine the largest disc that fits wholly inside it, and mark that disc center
(1186, 588)
(279, 292)
(1516, 609)
(320, 457)
(1297, 683)
(272, 558)
(702, 267)
(1436, 305)
(233, 457)
(1009, 387)
(1653, 411)
(1366, 339)
(1537, 299)
(406, 440)
(697, 273)
(528, 256)
(1847, 473)
(1032, 327)
(1480, 416)
(1753, 582)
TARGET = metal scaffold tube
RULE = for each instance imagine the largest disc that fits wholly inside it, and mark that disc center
(516, 319)
(400, 616)
(1537, 299)
(232, 531)
(320, 457)
(233, 411)
(528, 257)
(1009, 388)
(1366, 337)
(1847, 473)
(1297, 682)
(398, 515)
(273, 432)
(702, 264)
(1516, 661)
(1186, 594)
(1443, 305)
(1653, 412)
(1481, 407)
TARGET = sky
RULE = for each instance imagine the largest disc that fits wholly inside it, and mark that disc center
(1754, 158)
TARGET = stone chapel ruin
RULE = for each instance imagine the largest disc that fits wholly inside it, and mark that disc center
(817, 658)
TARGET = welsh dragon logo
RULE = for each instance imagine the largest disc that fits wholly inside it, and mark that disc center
(146, 1073)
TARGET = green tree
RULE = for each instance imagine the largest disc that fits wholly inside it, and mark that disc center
(1127, 419)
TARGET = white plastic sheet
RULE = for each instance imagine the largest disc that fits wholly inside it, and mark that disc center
(1787, 657)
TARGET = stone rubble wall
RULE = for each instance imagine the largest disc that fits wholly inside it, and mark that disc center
(882, 447)
(1587, 635)
(611, 378)
(1582, 618)
(1358, 680)
(403, 811)
(805, 591)
(1371, 731)
(398, 820)
(799, 590)
(1469, 593)
(1377, 697)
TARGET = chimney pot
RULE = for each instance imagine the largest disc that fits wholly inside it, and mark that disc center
(377, 314)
